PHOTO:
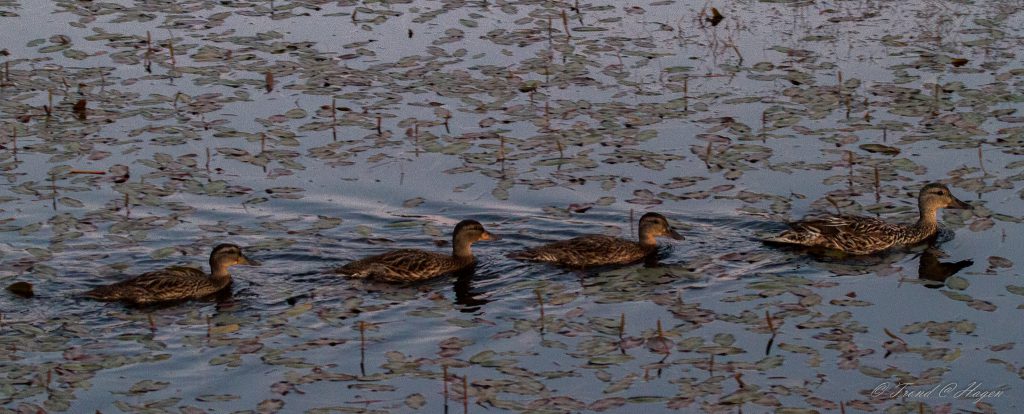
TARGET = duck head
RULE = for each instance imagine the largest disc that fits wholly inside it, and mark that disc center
(227, 255)
(935, 196)
(466, 233)
(654, 225)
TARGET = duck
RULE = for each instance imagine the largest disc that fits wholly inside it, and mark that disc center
(413, 265)
(601, 250)
(176, 283)
(858, 235)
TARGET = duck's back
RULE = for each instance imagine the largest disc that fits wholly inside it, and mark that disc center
(850, 234)
(170, 284)
(584, 251)
(405, 265)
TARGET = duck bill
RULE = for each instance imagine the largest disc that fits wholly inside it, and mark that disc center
(958, 204)
(676, 236)
(245, 260)
(489, 236)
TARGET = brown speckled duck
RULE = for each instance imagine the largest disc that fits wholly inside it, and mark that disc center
(600, 250)
(176, 282)
(858, 235)
(411, 265)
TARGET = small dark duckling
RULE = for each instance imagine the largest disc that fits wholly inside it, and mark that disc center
(412, 265)
(176, 282)
(600, 250)
(859, 235)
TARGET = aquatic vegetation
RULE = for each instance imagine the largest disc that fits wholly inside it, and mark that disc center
(140, 134)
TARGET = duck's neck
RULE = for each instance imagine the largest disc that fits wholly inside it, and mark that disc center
(219, 271)
(647, 239)
(927, 223)
(461, 250)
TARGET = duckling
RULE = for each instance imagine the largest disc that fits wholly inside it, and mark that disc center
(176, 282)
(600, 250)
(412, 265)
(857, 235)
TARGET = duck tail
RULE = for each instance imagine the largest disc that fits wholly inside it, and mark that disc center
(105, 293)
(523, 255)
(791, 237)
(536, 256)
(352, 271)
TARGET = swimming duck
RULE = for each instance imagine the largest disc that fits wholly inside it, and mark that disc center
(176, 282)
(859, 235)
(411, 265)
(600, 250)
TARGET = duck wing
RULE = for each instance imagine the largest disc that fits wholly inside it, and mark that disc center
(405, 265)
(851, 234)
(589, 250)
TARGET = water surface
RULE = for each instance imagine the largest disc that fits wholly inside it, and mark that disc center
(317, 132)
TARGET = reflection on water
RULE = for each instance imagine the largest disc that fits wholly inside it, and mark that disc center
(934, 273)
(470, 300)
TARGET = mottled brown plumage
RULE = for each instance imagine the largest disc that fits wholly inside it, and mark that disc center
(599, 250)
(411, 265)
(865, 235)
(176, 282)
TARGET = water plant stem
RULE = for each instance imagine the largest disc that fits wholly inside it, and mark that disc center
(465, 394)
(53, 189)
(540, 302)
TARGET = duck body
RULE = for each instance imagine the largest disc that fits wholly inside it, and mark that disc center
(586, 251)
(600, 250)
(858, 235)
(405, 265)
(175, 283)
(413, 265)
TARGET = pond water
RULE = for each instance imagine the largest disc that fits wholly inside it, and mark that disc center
(137, 135)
